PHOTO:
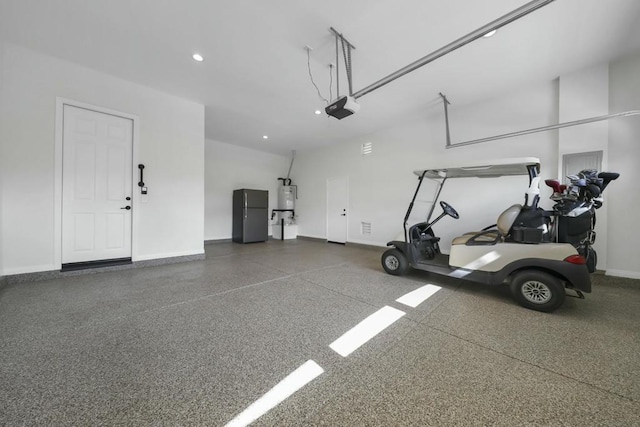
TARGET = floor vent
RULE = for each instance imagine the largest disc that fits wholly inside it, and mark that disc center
(367, 149)
(74, 266)
(365, 228)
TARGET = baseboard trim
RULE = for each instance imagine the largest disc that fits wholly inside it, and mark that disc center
(161, 255)
(312, 239)
(348, 243)
(365, 246)
(623, 273)
(57, 274)
(215, 241)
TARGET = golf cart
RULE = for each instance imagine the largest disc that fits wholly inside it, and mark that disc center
(519, 250)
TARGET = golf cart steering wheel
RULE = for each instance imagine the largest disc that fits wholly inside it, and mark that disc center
(448, 209)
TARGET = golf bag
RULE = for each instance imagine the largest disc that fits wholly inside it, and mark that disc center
(533, 224)
(574, 212)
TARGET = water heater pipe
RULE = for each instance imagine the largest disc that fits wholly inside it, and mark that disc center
(293, 156)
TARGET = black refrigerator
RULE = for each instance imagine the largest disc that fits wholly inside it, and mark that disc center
(250, 215)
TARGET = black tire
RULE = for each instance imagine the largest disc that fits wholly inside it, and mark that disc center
(538, 290)
(394, 262)
(592, 260)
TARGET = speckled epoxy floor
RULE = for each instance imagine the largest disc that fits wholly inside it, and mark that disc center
(197, 343)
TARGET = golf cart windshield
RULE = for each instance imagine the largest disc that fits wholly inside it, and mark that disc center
(487, 169)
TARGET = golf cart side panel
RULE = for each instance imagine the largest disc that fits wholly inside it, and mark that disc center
(576, 275)
(495, 257)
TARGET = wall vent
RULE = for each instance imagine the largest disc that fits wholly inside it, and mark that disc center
(367, 149)
(365, 228)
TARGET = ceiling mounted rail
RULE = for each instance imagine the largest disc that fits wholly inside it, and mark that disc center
(462, 41)
(539, 129)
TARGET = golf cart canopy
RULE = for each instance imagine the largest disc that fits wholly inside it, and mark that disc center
(485, 169)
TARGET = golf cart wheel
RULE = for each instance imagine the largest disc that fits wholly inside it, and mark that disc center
(394, 262)
(537, 290)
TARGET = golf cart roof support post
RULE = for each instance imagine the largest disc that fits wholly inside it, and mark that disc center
(462, 41)
(446, 117)
(406, 217)
(435, 199)
(337, 70)
(545, 128)
(534, 170)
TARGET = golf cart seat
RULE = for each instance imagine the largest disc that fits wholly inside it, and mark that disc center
(491, 236)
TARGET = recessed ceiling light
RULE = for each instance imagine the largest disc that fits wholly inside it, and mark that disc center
(265, 136)
(490, 33)
(198, 57)
(318, 112)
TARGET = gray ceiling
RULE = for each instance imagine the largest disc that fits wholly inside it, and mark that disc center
(254, 79)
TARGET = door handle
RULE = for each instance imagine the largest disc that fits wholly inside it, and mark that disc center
(343, 214)
(141, 182)
(127, 208)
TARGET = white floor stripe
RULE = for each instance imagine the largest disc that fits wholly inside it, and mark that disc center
(365, 330)
(285, 388)
(418, 296)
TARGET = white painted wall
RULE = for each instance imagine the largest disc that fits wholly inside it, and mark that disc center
(622, 195)
(171, 146)
(229, 167)
(585, 94)
(382, 185)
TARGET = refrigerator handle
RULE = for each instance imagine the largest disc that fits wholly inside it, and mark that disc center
(245, 205)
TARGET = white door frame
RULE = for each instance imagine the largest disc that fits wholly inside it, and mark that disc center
(57, 202)
(346, 230)
(597, 155)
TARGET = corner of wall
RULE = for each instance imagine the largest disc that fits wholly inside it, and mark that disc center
(624, 95)
(229, 167)
(2, 138)
(585, 94)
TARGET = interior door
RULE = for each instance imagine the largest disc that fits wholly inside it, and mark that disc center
(96, 186)
(574, 163)
(337, 203)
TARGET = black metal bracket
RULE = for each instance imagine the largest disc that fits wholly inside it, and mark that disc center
(446, 118)
(578, 295)
(346, 53)
(141, 182)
